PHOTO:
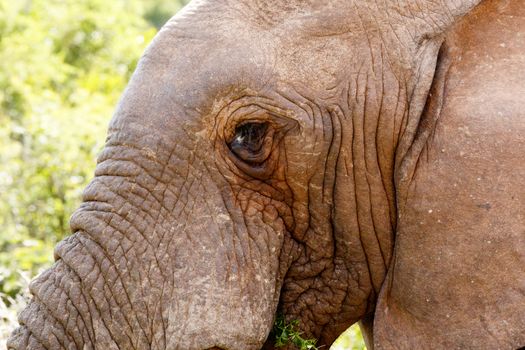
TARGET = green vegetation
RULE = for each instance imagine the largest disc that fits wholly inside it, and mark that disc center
(63, 66)
(286, 333)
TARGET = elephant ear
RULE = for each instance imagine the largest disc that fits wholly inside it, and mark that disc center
(426, 19)
(421, 26)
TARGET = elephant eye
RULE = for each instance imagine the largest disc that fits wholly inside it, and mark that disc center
(252, 142)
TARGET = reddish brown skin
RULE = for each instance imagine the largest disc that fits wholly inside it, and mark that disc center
(457, 280)
(184, 243)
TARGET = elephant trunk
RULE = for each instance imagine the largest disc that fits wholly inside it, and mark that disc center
(58, 316)
(100, 291)
(159, 259)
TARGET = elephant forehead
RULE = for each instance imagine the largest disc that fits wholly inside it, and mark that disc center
(182, 74)
(322, 63)
(187, 72)
(322, 17)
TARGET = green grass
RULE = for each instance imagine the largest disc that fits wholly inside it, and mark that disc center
(286, 333)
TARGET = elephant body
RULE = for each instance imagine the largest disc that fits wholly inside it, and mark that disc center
(331, 161)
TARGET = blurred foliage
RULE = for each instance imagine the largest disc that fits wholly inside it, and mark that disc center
(159, 11)
(351, 339)
(63, 66)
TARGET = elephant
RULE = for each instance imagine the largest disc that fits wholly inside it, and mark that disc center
(334, 162)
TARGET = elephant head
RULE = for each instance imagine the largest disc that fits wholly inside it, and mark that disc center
(249, 170)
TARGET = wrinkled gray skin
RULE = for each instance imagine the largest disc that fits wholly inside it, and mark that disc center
(193, 234)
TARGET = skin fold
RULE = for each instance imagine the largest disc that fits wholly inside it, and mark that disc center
(265, 157)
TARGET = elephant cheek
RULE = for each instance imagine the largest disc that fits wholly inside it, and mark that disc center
(219, 304)
(232, 323)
